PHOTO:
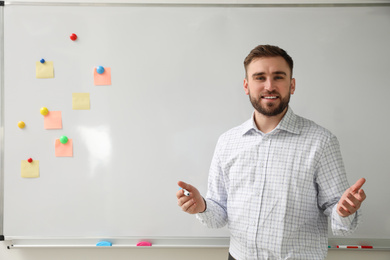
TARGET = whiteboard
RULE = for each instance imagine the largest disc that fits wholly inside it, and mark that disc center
(177, 78)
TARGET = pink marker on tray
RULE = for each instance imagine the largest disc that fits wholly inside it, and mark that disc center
(144, 243)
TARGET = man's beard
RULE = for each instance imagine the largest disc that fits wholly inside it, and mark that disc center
(269, 109)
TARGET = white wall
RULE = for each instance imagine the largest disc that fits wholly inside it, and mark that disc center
(153, 253)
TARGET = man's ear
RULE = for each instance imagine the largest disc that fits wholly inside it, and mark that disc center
(246, 86)
(292, 86)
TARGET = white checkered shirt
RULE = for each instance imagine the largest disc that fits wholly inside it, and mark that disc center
(276, 190)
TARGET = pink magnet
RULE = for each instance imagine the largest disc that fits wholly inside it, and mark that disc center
(73, 37)
(144, 243)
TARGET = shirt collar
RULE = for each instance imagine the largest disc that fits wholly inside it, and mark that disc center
(289, 123)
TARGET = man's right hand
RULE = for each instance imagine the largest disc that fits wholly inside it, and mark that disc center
(192, 204)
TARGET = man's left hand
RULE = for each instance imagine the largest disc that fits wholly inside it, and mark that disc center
(351, 200)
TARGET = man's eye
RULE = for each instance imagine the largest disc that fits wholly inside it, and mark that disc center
(260, 78)
(278, 77)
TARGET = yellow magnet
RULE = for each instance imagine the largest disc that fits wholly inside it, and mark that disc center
(21, 124)
(44, 111)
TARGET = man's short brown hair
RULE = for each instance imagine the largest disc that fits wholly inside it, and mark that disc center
(263, 51)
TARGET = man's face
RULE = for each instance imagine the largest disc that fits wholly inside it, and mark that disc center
(269, 85)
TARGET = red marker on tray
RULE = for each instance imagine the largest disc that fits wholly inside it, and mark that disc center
(356, 247)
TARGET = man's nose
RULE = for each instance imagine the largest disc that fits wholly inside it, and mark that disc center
(269, 85)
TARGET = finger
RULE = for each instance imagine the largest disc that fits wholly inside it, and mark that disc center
(183, 200)
(182, 184)
(179, 194)
(353, 200)
(358, 185)
(191, 189)
(182, 193)
(343, 212)
(362, 195)
(189, 206)
(192, 208)
(186, 186)
(348, 207)
(357, 197)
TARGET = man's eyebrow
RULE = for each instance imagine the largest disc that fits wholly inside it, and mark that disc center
(274, 73)
(280, 72)
(258, 74)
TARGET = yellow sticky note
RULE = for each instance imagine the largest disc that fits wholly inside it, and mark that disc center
(30, 170)
(44, 70)
(64, 150)
(102, 79)
(80, 101)
(53, 120)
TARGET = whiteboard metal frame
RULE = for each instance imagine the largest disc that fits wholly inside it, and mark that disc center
(130, 242)
(238, 3)
(1, 122)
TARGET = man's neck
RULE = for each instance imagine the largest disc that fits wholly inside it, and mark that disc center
(268, 123)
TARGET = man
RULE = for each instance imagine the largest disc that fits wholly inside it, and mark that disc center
(277, 177)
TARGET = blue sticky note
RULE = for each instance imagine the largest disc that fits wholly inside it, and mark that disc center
(104, 243)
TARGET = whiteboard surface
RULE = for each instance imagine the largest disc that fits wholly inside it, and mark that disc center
(176, 86)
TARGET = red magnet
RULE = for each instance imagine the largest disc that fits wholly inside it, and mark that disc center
(29, 160)
(73, 37)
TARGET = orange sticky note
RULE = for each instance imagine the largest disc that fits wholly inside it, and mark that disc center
(30, 169)
(102, 79)
(53, 120)
(64, 150)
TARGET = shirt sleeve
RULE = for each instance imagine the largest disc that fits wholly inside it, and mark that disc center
(332, 183)
(342, 226)
(215, 215)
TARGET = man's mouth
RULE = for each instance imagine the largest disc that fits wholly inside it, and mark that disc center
(269, 97)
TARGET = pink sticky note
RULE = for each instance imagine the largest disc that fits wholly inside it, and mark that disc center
(102, 79)
(53, 120)
(64, 150)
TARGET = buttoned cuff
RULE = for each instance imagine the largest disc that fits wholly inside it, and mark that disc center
(345, 225)
(206, 215)
(214, 216)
